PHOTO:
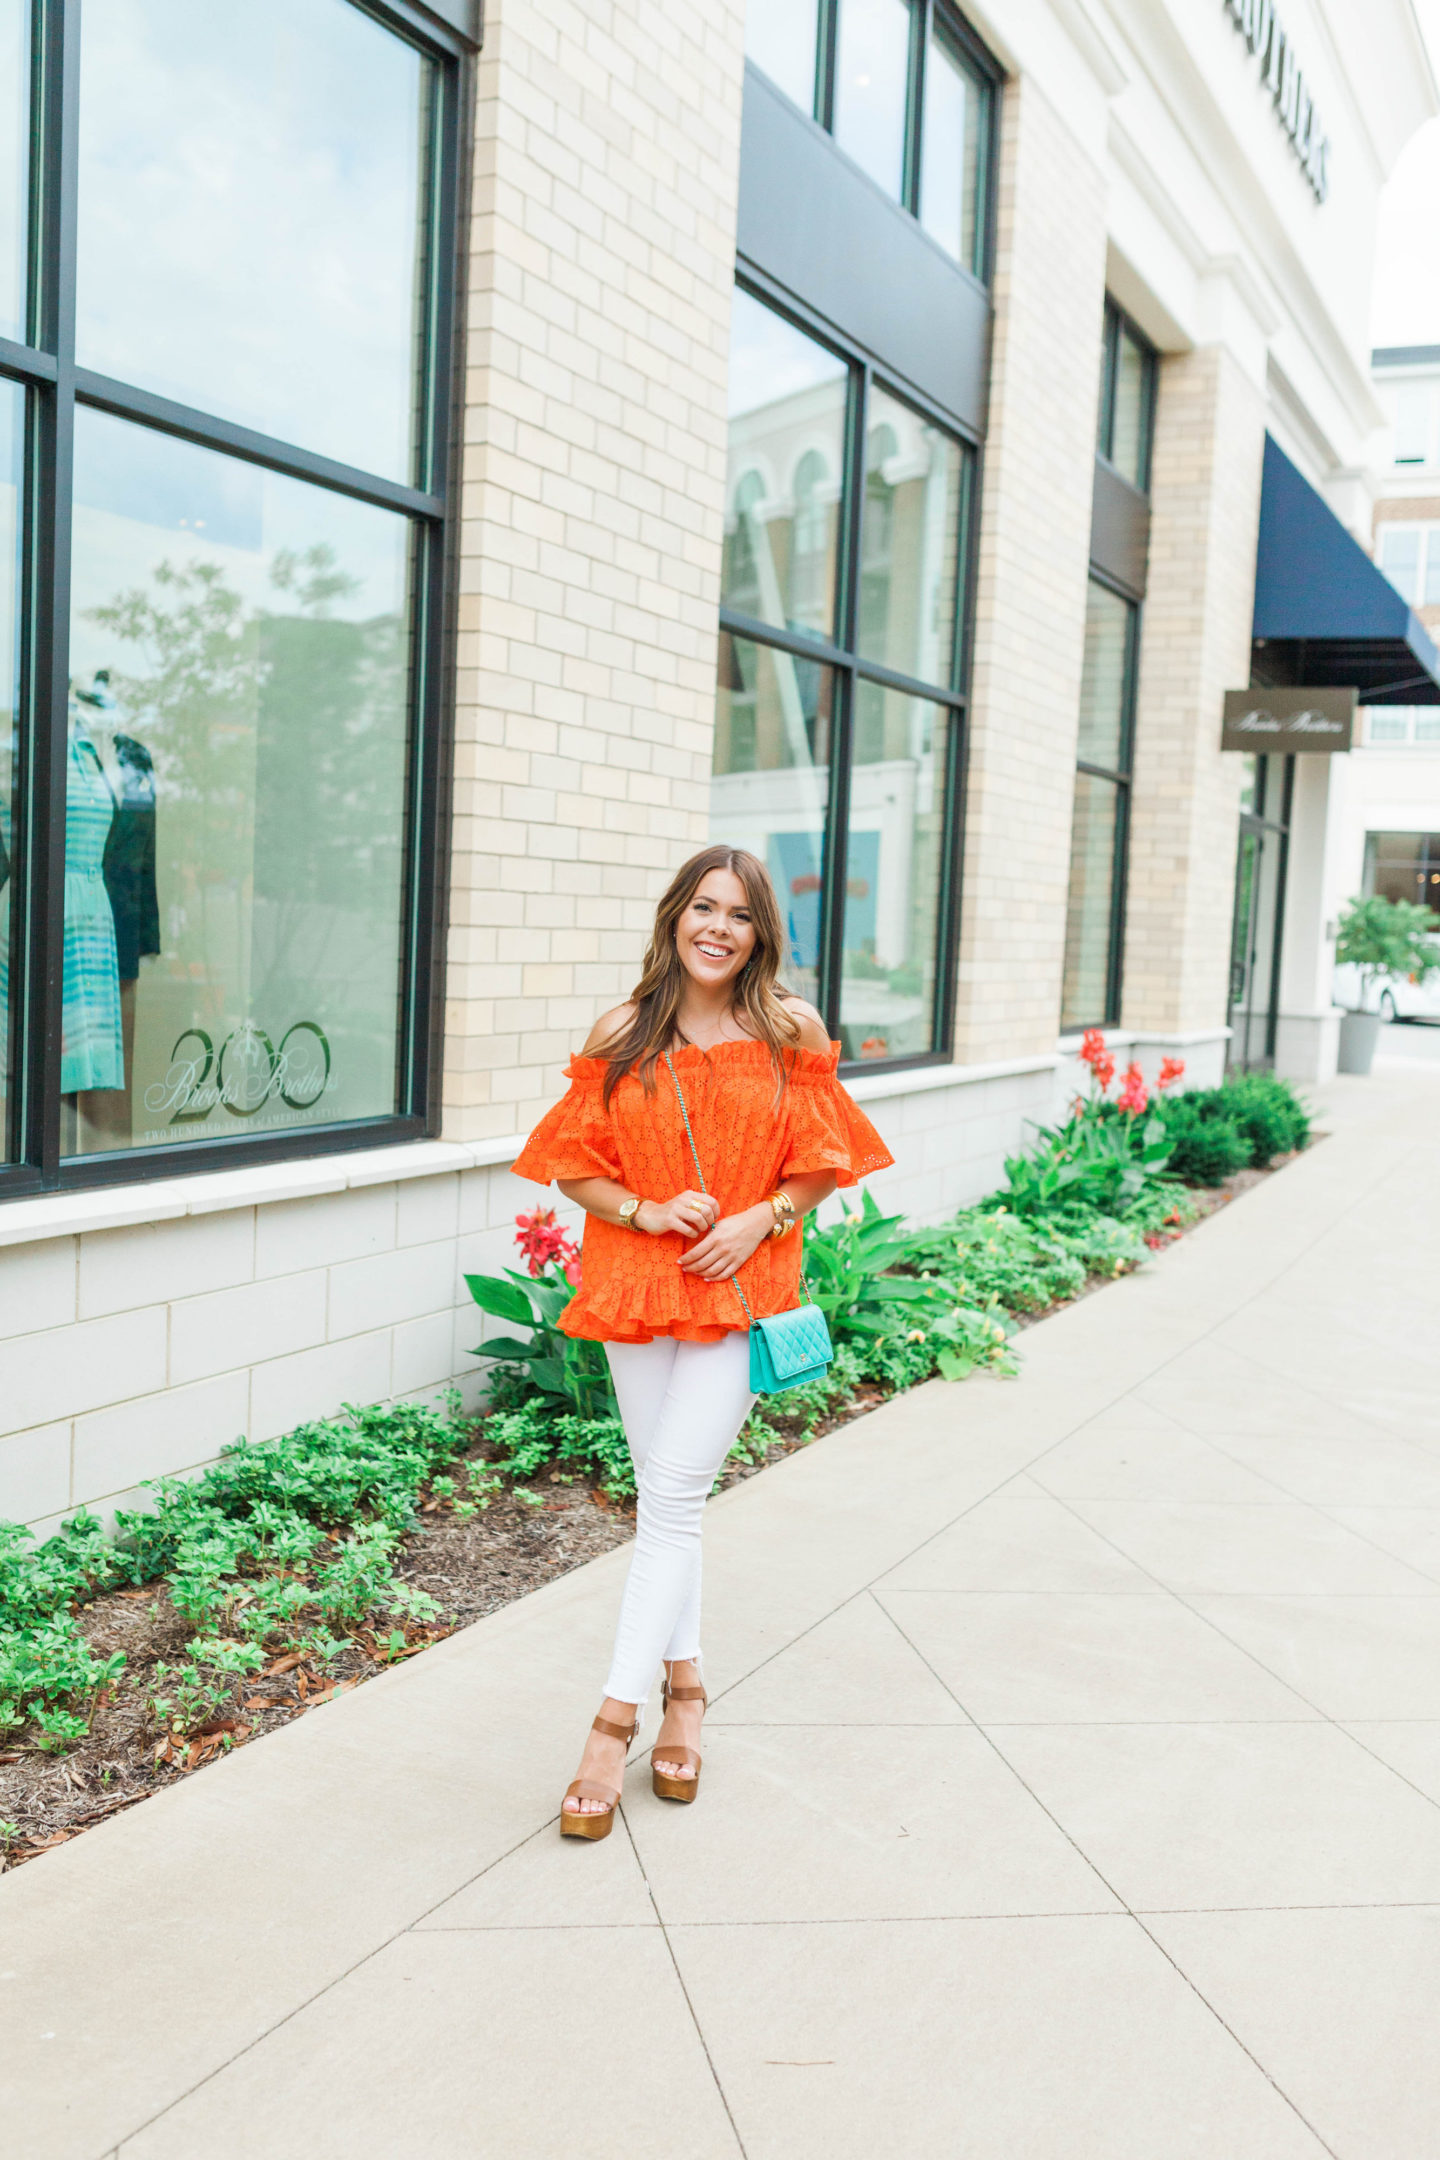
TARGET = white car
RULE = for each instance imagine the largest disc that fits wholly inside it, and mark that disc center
(1401, 998)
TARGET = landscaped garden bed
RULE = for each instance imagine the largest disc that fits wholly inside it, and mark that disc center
(290, 1572)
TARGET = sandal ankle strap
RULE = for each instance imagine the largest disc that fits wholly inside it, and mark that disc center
(615, 1732)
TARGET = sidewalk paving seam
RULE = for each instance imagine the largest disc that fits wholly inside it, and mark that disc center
(680, 1981)
(1130, 1911)
(1184, 1598)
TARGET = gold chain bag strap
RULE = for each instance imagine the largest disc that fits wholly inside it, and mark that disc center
(786, 1349)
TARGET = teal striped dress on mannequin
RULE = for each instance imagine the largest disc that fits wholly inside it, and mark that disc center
(92, 1046)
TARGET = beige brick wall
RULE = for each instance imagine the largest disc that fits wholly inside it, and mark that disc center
(1205, 510)
(603, 243)
(1030, 602)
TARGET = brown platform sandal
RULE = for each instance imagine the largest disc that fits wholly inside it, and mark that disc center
(575, 1823)
(677, 1788)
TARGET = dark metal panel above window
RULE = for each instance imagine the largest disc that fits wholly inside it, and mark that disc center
(1119, 530)
(814, 224)
(465, 16)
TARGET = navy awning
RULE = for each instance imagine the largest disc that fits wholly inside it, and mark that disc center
(1324, 613)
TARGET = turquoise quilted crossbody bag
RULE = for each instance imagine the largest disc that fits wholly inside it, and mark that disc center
(788, 1348)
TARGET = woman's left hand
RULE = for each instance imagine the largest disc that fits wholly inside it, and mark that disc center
(729, 1245)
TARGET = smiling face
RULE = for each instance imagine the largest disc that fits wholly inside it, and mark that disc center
(715, 933)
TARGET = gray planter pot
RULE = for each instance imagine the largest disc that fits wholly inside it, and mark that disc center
(1359, 1033)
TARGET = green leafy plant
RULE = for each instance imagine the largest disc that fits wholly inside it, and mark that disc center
(850, 1266)
(571, 1374)
(1387, 938)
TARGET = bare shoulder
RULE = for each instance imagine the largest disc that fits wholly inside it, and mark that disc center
(814, 1035)
(607, 1027)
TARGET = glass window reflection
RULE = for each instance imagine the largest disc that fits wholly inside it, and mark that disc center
(872, 81)
(12, 450)
(773, 721)
(1085, 998)
(785, 474)
(14, 163)
(893, 869)
(952, 147)
(251, 211)
(780, 37)
(910, 542)
(1104, 681)
(236, 783)
(1131, 433)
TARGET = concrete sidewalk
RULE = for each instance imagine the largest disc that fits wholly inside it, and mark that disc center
(1072, 1788)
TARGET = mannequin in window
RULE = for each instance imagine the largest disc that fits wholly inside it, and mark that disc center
(92, 1041)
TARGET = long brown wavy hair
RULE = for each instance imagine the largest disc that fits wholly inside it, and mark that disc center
(756, 992)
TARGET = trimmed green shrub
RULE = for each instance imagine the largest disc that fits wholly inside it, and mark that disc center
(1269, 1112)
(1264, 1115)
(1206, 1147)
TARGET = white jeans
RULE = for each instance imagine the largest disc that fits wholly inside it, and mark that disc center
(682, 1404)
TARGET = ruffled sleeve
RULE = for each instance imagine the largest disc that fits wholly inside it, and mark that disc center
(827, 1129)
(576, 1139)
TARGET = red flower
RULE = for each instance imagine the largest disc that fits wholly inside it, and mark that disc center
(1171, 1070)
(544, 1241)
(1094, 1054)
(1092, 1046)
(1134, 1094)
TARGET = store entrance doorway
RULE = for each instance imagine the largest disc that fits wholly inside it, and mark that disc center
(1259, 925)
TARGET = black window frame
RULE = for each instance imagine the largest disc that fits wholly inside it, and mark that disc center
(1116, 323)
(838, 652)
(1122, 777)
(54, 384)
(924, 15)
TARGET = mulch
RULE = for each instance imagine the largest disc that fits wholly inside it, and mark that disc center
(470, 1566)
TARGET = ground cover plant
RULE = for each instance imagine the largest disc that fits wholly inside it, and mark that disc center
(288, 1571)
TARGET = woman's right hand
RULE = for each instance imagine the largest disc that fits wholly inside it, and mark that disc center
(690, 1214)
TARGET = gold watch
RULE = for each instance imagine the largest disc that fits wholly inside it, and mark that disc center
(629, 1209)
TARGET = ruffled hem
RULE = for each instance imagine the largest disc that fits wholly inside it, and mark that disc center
(630, 1302)
(829, 1131)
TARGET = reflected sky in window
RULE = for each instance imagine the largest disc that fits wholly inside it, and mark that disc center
(14, 135)
(250, 211)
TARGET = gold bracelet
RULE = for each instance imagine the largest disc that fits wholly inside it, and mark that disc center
(782, 1207)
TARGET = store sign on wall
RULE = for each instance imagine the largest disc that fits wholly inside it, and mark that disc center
(1284, 78)
(1289, 720)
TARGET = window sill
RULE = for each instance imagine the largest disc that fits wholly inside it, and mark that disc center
(881, 1086)
(113, 1207)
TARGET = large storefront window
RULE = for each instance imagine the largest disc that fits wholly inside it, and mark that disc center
(1404, 866)
(239, 466)
(839, 709)
(906, 91)
(239, 651)
(1095, 916)
(12, 454)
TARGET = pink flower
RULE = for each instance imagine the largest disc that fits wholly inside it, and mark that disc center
(1134, 1094)
(544, 1241)
(1171, 1070)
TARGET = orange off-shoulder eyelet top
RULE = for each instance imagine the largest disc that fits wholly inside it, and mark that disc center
(631, 1286)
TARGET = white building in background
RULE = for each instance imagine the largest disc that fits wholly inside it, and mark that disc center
(879, 432)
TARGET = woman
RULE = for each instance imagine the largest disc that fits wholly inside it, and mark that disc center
(774, 1134)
